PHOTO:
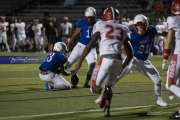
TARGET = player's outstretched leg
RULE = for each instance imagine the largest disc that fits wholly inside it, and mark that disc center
(89, 74)
(104, 100)
(159, 99)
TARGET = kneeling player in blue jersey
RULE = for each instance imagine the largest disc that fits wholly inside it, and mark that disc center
(53, 66)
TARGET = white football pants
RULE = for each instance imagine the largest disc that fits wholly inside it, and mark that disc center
(148, 69)
(173, 75)
(77, 52)
(58, 81)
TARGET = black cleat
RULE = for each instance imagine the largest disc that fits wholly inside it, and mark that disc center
(175, 116)
(105, 101)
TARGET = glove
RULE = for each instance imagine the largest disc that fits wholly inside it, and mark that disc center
(74, 80)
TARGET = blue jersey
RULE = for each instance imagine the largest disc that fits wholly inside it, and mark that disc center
(53, 62)
(142, 43)
(86, 29)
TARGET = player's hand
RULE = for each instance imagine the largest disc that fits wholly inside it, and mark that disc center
(165, 65)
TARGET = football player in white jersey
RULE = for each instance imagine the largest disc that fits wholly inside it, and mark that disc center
(21, 34)
(66, 27)
(113, 37)
(173, 73)
(38, 35)
(3, 33)
(13, 33)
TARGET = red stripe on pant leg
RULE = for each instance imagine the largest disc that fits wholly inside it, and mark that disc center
(95, 73)
(172, 71)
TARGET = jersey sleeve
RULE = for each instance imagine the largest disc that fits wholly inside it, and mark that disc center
(170, 22)
(126, 32)
(78, 23)
(152, 30)
(61, 58)
(96, 27)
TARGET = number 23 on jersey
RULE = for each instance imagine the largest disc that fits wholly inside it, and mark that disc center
(114, 32)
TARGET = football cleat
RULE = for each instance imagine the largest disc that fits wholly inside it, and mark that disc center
(161, 102)
(175, 116)
(48, 86)
(171, 97)
(104, 100)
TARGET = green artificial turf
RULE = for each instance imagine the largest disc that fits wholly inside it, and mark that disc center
(22, 97)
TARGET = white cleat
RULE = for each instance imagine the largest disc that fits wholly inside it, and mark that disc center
(171, 97)
(161, 102)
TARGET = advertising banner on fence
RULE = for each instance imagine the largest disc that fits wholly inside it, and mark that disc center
(20, 59)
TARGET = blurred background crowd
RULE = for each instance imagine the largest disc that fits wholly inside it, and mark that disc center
(37, 25)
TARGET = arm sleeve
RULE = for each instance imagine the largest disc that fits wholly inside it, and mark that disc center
(96, 28)
(170, 22)
(61, 58)
(78, 24)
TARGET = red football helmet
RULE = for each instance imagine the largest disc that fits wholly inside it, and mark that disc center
(108, 14)
(175, 7)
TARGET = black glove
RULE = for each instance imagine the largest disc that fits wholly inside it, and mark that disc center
(74, 80)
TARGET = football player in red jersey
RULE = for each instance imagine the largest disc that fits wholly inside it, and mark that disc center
(173, 73)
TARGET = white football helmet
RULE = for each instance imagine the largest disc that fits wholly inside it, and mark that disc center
(60, 46)
(90, 12)
(141, 18)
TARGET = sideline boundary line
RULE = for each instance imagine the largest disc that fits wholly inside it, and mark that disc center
(80, 111)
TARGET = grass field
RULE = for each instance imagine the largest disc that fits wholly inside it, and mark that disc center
(22, 97)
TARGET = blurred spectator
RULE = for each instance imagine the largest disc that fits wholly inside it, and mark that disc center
(38, 35)
(13, 35)
(3, 34)
(167, 4)
(124, 20)
(70, 3)
(30, 35)
(66, 28)
(21, 34)
(50, 30)
(161, 27)
(144, 3)
(159, 8)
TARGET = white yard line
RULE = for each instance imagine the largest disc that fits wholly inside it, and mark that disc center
(19, 78)
(83, 111)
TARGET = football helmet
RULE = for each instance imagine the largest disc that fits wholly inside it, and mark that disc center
(175, 7)
(116, 12)
(108, 14)
(140, 18)
(60, 46)
(90, 12)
